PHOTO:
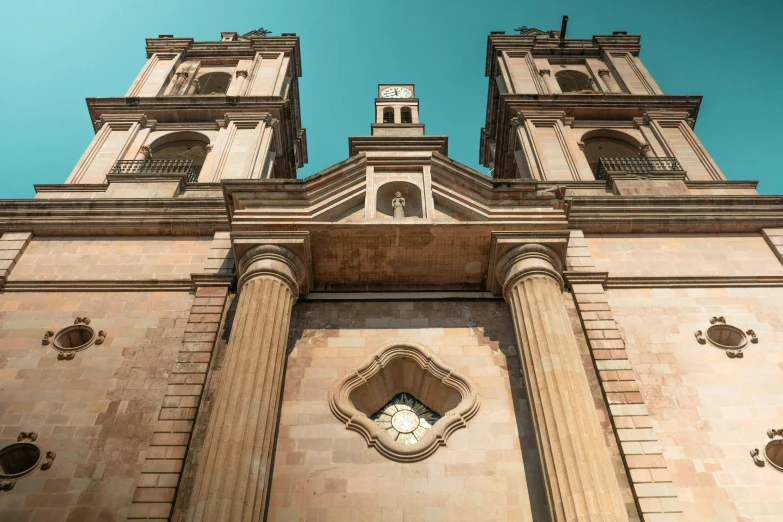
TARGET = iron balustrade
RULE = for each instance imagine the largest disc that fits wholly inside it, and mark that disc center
(637, 166)
(160, 167)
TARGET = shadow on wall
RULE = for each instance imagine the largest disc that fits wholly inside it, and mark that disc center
(489, 320)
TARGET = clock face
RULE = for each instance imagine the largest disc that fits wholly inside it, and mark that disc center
(396, 92)
(405, 419)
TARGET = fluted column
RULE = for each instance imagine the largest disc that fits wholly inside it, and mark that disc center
(578, 474)
(232, 479)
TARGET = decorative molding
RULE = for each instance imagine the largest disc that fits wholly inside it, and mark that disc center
(397, 296)
(97, 285)
(693, 281)
(343, 407)
(501, 243)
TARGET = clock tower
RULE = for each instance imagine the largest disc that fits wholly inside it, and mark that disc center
(397, 111)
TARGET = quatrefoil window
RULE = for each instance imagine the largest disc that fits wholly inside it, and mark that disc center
(404, 402)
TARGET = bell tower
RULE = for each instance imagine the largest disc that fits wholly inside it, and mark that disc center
(397, 111)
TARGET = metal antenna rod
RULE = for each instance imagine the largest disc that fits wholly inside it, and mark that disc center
(563, 30)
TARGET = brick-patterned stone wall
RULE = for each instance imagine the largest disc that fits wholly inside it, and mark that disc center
(774, 238)
(655, 494)
(157, 488)
(115, 258)
(12, 245)
(98, 411)
(220, 259)
(489, 470)
(707, 409)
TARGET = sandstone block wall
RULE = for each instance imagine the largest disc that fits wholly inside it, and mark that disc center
(709, 410)
(111, 258)
(489, 470)
(679, 255)
(97, 411)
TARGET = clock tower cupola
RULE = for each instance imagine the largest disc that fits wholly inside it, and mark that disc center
(397, 111)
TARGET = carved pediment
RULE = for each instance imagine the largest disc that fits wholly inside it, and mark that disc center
(361, 189)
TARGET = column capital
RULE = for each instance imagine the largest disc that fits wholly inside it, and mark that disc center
(285, 255)
(514, 255)
(603, 72)
(543, 72)
(241, 74)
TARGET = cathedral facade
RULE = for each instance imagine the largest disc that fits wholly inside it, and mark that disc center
(591, 332)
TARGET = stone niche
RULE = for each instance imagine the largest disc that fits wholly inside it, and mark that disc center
(410, 369)
(409, 191)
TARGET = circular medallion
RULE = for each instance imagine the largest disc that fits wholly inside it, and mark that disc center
(405, 421)
(726, 336)
(17, 460)
(774, 454)
(74, 338)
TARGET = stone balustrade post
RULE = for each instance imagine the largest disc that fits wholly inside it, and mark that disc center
(233, 475)
(577, 469)
(546, 74)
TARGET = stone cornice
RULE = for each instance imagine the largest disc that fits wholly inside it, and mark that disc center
(358, 144)
(675, 214)
(545, 46)
(188, 109)
(693, 281)
(242, 48)
(114, 217)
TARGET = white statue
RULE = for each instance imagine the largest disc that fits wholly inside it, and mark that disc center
(398, 204)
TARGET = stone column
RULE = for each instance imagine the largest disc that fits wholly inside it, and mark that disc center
(232, 480)
(577, 470)
(181, 77)
(241, 77)
(546, 74)
(609, 81)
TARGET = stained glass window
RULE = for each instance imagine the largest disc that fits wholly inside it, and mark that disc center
(405, 418)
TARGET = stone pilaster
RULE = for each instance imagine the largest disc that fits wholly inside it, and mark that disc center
(233, 474)
(577, 470)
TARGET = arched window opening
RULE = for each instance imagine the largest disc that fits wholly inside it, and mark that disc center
(573, 81)
(388, 115)
(405, 115)
(607, 147)
(183, 146)
(212, 83)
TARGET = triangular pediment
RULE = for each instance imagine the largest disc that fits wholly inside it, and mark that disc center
(433, 189)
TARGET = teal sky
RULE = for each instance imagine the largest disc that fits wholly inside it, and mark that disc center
(55, 54)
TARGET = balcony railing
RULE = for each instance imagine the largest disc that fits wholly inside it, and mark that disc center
(159, 167)
(636, 166)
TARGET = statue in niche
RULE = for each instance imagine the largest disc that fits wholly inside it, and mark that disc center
(398, 204)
